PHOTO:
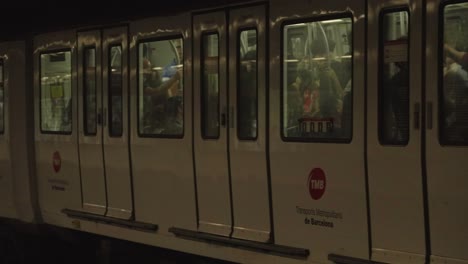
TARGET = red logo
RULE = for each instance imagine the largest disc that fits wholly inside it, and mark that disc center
(317, 183)
(56, 161)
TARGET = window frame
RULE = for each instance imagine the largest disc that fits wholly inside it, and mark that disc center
(85, 104)
(380, 101)
(48, 52)
(238, 75)
(149, 40)
(109, 87)
(313, 19)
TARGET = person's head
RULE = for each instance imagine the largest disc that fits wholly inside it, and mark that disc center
(145, 59)
(179, 50)
(319, 48)
(146, 65)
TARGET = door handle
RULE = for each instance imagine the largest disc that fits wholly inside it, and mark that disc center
(223, 119)
(416, 116)
(231, 117)
(429, 115)
(99, 117)
(104, 117)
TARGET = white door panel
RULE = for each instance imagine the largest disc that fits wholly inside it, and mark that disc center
(396, 187)
(247, 148)
(90, 129)
(211, 161)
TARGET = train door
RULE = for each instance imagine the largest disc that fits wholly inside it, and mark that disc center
(394, 132)
(317, 127)
(161, 115)
(230, 122)
(446, 82)
(104, 140)
(93, 182)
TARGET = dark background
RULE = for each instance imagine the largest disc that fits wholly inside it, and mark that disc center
(27, 18)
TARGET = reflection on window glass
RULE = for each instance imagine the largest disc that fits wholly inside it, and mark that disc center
(56, 96)
(453, 125)
(115, 91)
(2, 102)
(210, 86)
(89, 91)
(247, 85)
(160, 102)
(394, 79)
(317, 80)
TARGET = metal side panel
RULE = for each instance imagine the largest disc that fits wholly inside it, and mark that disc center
(20, 119)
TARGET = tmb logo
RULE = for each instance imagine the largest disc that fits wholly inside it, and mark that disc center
(317, 183)
(56, 161)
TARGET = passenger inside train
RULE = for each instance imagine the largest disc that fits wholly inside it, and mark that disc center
(247, 92)
(454, 127)
(455, 100)
(161, 94)
(313, 103)
(394, 80)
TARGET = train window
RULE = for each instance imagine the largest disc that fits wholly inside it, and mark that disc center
(394, 78)
(161, 104)
(2, 100)
(247, 117)
(115, 91)
(89, 91)
(56, 93)
(317, 81)
(210, 86)
(453, 123)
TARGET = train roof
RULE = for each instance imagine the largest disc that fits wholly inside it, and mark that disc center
(19, 23)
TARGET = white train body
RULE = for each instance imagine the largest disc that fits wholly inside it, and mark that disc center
(268, 171)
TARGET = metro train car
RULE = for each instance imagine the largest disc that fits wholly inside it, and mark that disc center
(258, 132)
